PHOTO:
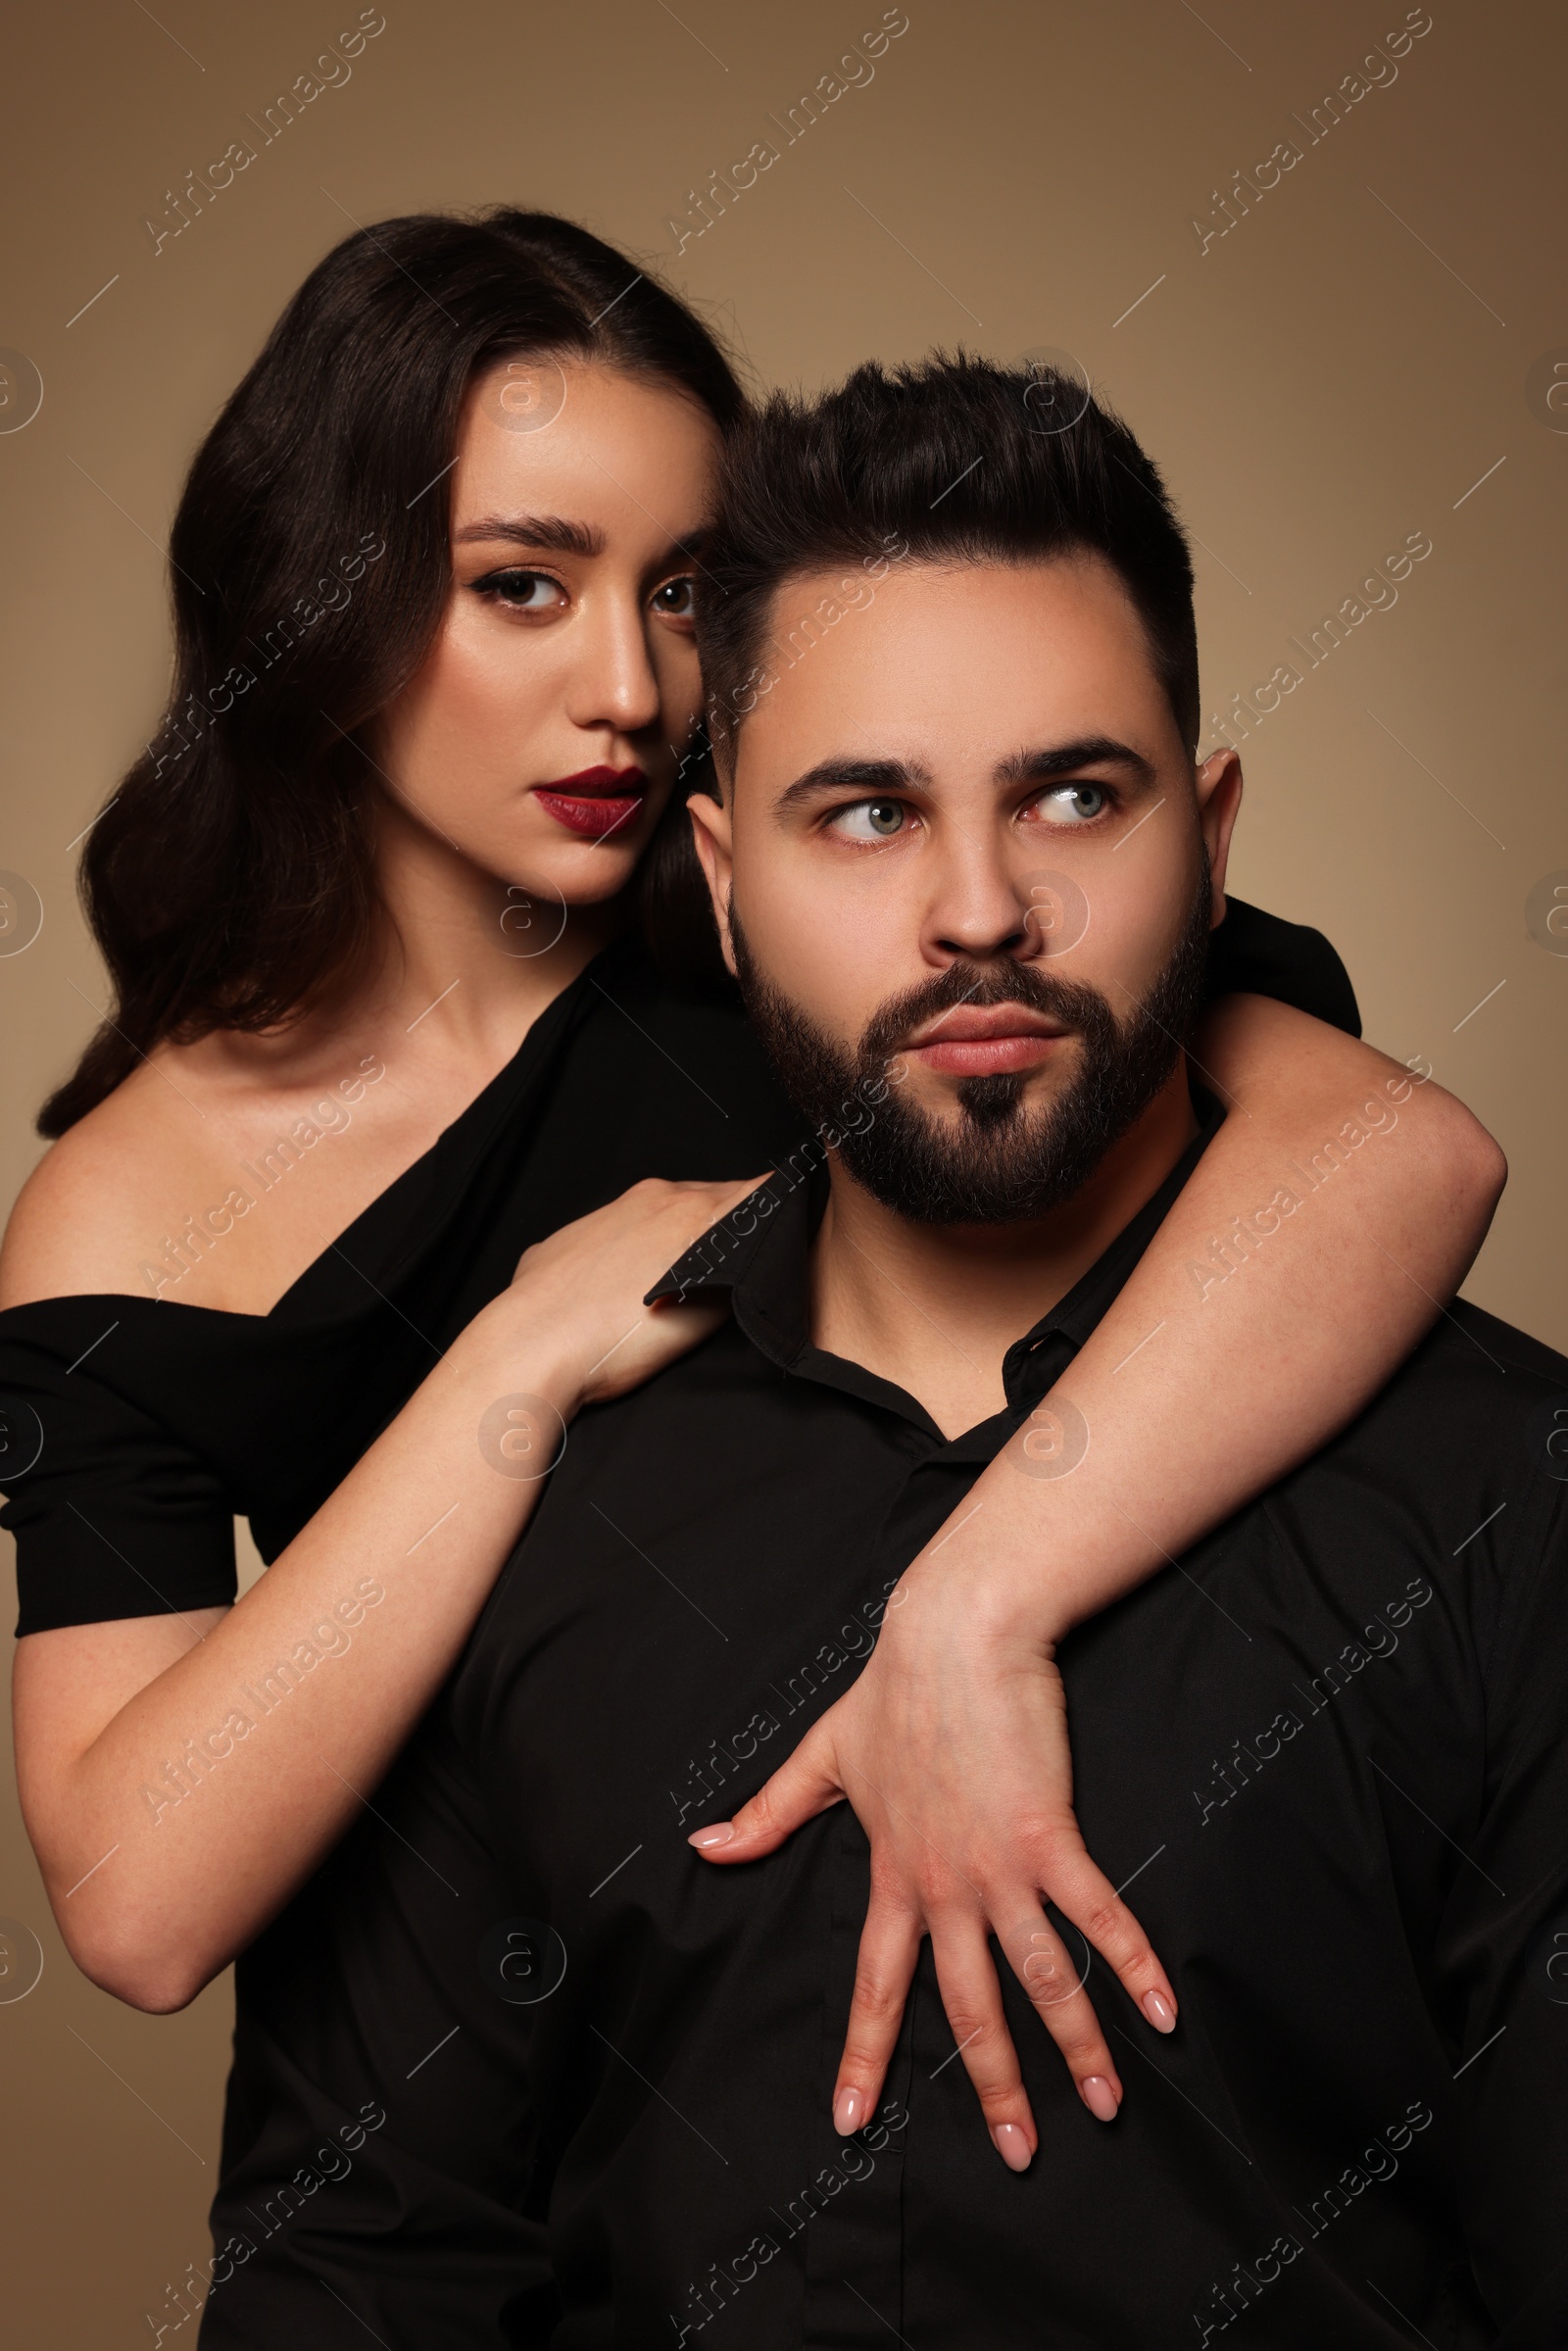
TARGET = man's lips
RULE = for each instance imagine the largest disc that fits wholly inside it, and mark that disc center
(970, 1041)
(597, 801)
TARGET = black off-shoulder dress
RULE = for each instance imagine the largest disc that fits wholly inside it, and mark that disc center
(133, 1431)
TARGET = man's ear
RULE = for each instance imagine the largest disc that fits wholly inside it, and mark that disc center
(712, 831)
(1219, 799)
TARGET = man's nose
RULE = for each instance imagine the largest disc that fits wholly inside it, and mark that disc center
(982, 907)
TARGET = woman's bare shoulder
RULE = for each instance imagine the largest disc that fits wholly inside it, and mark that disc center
(101, 1199)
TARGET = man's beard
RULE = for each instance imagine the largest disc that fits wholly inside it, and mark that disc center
(1004, 1160)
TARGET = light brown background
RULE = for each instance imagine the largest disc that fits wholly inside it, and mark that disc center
(1323, 380)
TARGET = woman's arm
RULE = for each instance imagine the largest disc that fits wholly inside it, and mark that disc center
(155, 1890)
(1251, 1331)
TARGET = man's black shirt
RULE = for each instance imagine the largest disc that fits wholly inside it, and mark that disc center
(1326, 1750)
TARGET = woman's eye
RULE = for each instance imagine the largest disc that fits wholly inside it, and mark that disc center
(871, 820)
(1073, 804)
(676, 599)
(522, 591)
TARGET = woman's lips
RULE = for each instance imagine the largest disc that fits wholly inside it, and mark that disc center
(598, 802)
(990, 1040)
(600, 816)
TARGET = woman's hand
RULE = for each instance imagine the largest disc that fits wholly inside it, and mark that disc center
(952, 1748)
(424, 1523)
(585, 1286)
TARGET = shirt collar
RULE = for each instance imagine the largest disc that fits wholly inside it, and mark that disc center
(761, 1253)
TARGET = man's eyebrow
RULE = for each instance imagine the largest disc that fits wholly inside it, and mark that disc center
(550, 534)
(858, 775)
(1039, 766)
(1033, 766)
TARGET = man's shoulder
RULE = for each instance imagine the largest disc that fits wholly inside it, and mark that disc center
(1471, 1362)
(1471, 1429)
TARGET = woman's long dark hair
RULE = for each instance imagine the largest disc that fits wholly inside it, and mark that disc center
(229, 882)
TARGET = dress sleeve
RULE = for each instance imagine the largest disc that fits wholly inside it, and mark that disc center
(1258, 954)
(112, 1515)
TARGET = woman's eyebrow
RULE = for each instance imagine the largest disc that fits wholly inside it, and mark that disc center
(551, 534)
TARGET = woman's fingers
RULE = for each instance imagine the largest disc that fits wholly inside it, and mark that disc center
(972, 1998)
(1056, 1989)
(890, 1946)
(962, 1765)
(807, 1785)
(1082, 1892)
(587, 1285)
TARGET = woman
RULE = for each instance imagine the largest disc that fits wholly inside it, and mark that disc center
(383, 1021)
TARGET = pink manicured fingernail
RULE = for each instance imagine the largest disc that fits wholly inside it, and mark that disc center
(1160, 2012)
(1012, 2146)
(848, 2112)
(719, 1833)
(1100, 2098)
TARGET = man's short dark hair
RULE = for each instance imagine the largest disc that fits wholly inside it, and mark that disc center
(954, 461)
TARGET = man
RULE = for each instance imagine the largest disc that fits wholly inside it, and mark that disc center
(964, 866)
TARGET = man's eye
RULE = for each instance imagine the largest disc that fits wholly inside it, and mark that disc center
(522, 591)
(1072, 804)
(676, 599)
(871, 820)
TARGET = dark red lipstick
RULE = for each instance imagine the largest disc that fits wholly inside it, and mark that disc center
(597, 801)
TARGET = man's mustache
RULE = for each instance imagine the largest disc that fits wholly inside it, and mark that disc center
(984, 985)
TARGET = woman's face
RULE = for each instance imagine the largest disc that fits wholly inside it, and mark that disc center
(542, 735)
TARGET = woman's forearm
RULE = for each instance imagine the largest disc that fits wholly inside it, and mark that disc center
(180, 1777)
(1340, 1204)
(214, 1788)
(1283, 1284)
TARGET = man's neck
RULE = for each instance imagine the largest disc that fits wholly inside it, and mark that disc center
(934, 1308)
